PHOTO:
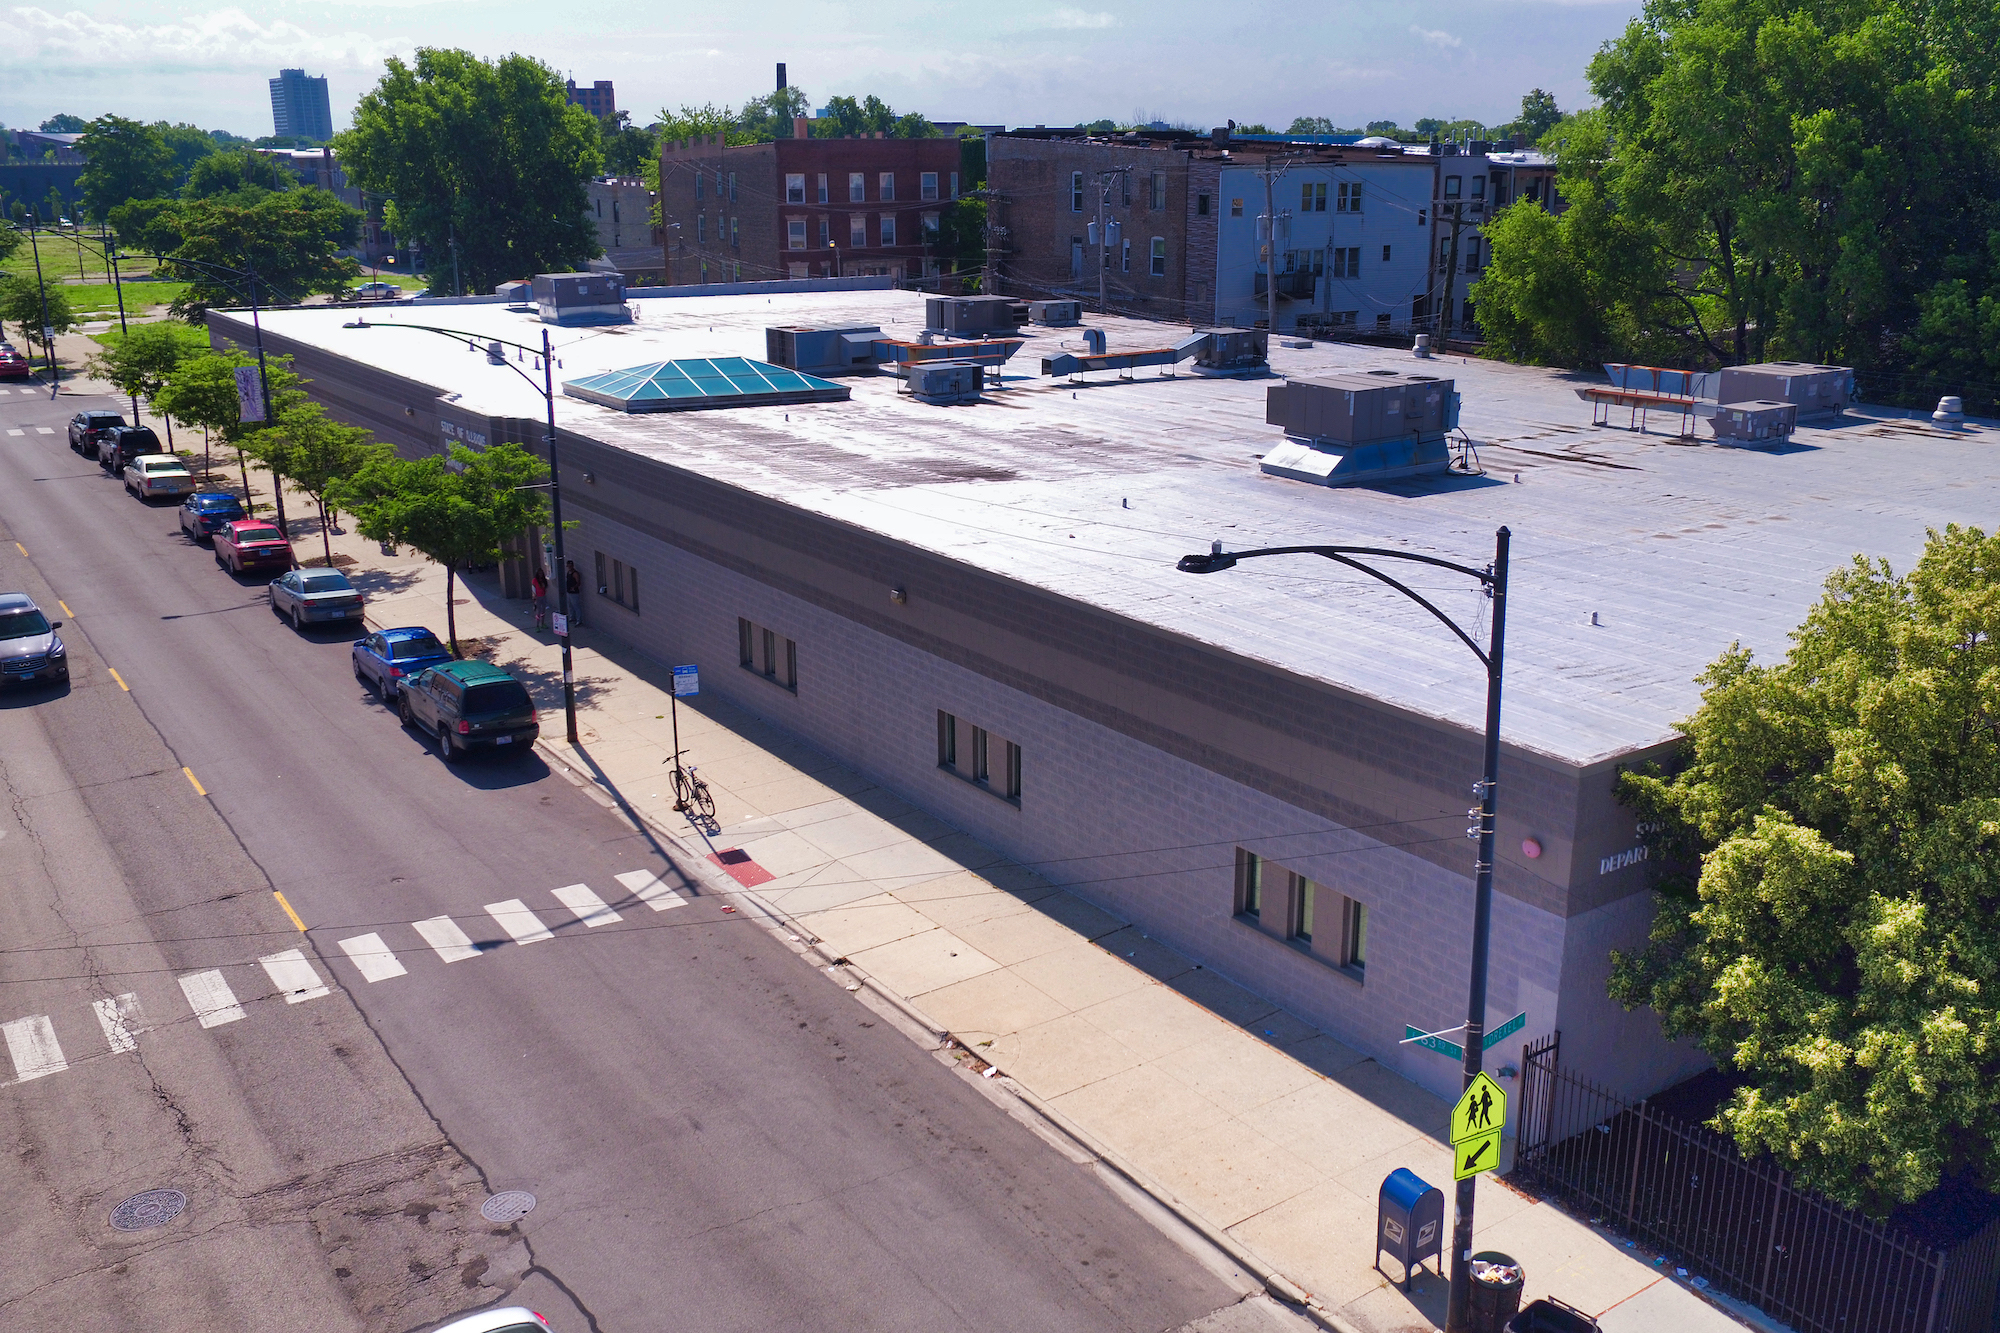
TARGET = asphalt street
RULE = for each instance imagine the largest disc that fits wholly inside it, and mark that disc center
(521, 994)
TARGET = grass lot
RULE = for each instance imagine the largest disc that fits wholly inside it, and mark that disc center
(99, 300)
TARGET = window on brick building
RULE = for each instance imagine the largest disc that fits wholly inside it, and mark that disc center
(927, 185)
(1076, 191)
(990, 762)
(798, 270)
(1159, 199)
(822, 187)
(735, 234)
(1452, 185)
(825, 231)
(930, 228)
(795, 233)
(701, 228)
(857, 230)
(697, 184)
(732, 187)
(1159, 256)
(1125, 188)
(1478, 187)
(795, 188)
(1125, 256)
(1385, 254)
(857, 187)
(765, 652)
(954, 185)
(888, 228)
(617, 581)
(1317, 920)
(886, 181)
(1201, 205)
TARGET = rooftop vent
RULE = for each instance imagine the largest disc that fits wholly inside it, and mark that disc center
(812, 351)
(1374, 426)
(1754, 423)
(687, 385)
(946, 382)
(1232, 352)
(1815, 390)
(973, 316)
(1056, 314)
(581, 298)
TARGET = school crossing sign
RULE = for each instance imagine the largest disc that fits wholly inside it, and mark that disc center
(1476, 1123)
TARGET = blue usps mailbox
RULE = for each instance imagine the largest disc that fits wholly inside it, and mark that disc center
(1409, 1222)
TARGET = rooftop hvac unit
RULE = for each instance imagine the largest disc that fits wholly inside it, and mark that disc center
(1814, 390)
(1757, 422)
(945, 382)
(822, 351)
(1372, 426)
(974, 316)
(520, 291)
(581, 298)
(1232, 352)
(1056, 314)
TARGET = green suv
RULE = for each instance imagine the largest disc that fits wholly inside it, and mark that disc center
(468, 704)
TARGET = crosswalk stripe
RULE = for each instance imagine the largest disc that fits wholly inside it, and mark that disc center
(44, 430)
(517, 920)
(31, 1044)
(208, 994)
(589, 908)
(119, 1016)
(17, 432)
(650, 889)
(443, 935)
(372, 958)
(293, 976)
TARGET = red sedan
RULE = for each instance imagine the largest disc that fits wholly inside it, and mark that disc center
(13, 366)
(252, 544)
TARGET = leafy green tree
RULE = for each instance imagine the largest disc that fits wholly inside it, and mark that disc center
(770, 116)
(32, 307)
(460, 512)
(202, 392)
(128, 160)
(320, 454)
(1254, 127)
(697, 122)
(1312, 125)
(10, 241)
(627, 148)
(1538, 115)
(65, 124)
(188, 143)
(486, 153)
(1384, 127)
(1831, 866)
(292, 240)
(847, 118)
(233, 172)
(143, 359)
(1429, 125)
(147, 226)
(914, 125)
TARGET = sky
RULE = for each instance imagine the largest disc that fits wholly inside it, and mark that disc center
(1026, 62)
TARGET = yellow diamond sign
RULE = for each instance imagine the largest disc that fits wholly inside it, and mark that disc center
(1480, 1112)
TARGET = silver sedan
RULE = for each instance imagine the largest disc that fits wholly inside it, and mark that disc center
(305, 596)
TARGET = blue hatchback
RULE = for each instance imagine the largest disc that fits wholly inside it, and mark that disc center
(386, 658)
(205, 511)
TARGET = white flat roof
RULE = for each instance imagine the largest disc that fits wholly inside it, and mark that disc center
(1637, 557)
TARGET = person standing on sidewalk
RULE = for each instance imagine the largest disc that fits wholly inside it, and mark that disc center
(541, 592)
(573, 581)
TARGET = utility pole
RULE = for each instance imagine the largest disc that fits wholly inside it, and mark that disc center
(1451, 270)
(1104, 179)
(1270, 238)
(41, 285)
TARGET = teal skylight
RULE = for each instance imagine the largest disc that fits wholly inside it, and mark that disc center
(723, 381)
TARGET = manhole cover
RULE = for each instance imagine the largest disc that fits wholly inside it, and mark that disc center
(154, 1208)
(507, 1206)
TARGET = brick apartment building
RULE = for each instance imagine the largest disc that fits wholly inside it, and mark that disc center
(803, 207)
(598, 99)
(621, 210)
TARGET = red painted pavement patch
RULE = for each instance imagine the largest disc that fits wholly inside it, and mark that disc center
(741, 868)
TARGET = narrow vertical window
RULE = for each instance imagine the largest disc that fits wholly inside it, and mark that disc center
(1307, 892)
(947, 740)
(744, 656)
(1249, 884)
(979, 754)
(1354, 950)
(1013, 771)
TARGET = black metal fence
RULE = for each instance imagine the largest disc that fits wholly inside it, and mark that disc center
(1687, 1192)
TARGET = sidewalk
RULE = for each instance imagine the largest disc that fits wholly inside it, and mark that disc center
(1242, 1117)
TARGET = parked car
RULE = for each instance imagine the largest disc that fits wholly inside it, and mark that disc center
(383, 660)
(467, 705)
(205, 511)
(251, 543)
(14, 366)
(117, 446)
(513, 1319)
(376, 291)
(308, 596)
(30, 649)
(158, 476)
(86, 427)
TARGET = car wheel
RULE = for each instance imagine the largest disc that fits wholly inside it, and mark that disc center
(359, 674)
(446, 751)
(298, 620)
(403, 708)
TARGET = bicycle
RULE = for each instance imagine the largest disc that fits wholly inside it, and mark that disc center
(691, 795)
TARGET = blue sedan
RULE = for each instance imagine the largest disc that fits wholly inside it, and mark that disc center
(383, 660)
(205, 511)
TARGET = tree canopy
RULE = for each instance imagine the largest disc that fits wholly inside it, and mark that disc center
(234, 171)
(1805, 178)
(1829, 914)
(128, 160)
(31, 307)
(486, 154)
(144, 358)
(319, 454)
(846, 118)
(293, 241)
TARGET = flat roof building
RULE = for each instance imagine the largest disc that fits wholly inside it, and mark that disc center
(599, 99)
(1266, 768)
(299, 106)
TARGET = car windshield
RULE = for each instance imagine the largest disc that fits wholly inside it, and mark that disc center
(132, 439)
(501, 696)
(163, 466)
(424, 645)
(23, 624)
(325, 580)
(105, 419)
(218, 503)
(258, 535)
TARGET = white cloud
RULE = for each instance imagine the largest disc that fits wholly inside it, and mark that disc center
(224, 39)
(1078, 18)
(1436, 38)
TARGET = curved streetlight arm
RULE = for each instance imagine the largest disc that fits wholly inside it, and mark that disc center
(475, 341)
(1217, 560)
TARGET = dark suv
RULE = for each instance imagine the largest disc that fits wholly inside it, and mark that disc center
(467, 704)
(86, 428)
(119, 445)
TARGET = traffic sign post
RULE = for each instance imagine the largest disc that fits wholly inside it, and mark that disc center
(687, 680)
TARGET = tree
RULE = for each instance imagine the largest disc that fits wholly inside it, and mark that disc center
(770, 116)
(627, 148)
(1384, 127)
(1538, 115)
(320, 454)
(1312, 125)
(460, 512)
(202, 392)
(488, 154)
(847, 118)
(189, 145)
(65, 124)
(699, 122)
(1827, 922)
(143, 359)
(234, 172)
(292, 240)
(127, 161)
(32, 307)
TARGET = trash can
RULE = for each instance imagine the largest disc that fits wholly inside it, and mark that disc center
(1495, 1290)
(1549, 1315)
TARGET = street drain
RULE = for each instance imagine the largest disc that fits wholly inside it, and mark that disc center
(154, 1208)
(508, 1206)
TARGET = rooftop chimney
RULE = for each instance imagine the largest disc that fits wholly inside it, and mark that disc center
(801, 128)
(781, 76)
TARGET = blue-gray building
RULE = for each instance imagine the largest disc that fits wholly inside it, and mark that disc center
(299, 106)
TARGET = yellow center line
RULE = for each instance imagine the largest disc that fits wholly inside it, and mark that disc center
(199, 790)
(120, 679)
(65, 606)
(22, 549)
(288, 911)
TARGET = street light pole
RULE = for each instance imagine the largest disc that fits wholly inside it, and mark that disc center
(1458, 1311)
(555, 507)
(48, 340)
